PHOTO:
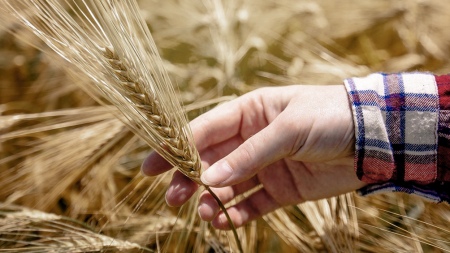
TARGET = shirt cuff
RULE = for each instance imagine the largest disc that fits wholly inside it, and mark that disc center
(396, 121)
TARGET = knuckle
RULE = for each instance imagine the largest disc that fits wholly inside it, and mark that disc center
(248, 152)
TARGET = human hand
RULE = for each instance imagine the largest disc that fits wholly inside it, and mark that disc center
(295, 142)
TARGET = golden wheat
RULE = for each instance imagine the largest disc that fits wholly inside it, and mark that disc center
(123, 64)
(181, 152)
(29, 230)
(108, 42)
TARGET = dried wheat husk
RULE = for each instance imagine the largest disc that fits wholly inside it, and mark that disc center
(28, 230)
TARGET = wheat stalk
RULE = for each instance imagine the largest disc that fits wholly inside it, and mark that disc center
(107, 41)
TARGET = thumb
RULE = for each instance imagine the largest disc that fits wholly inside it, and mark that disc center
(267, 146)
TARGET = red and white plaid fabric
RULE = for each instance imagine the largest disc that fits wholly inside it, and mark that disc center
(399, 119)
(443, 83)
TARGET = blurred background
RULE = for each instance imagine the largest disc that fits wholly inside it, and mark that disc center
(69, 170)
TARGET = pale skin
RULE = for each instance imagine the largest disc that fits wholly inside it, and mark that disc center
(296, 143)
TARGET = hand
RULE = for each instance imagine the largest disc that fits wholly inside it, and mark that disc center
(295, 142)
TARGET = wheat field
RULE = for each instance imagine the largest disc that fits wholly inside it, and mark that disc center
(70, 168)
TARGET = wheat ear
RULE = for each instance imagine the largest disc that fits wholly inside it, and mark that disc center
(181, 152)
(109, 42)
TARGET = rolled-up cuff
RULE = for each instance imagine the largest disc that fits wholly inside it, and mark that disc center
(396, 120)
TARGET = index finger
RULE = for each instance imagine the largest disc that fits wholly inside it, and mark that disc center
(217, 125)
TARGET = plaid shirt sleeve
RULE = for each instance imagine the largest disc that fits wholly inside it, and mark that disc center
(402, 130)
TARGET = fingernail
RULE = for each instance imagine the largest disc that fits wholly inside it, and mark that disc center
(143, 166)
(220, 221)
(217, 173)
(202, 208)
(168, 192)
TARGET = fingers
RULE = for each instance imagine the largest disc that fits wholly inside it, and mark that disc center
(176, 195)
(279, 190)
(208, 206)
(154, 165)
(180, 189)
(261, 149)
(217, 125)
(251, 208)
(218, 151)
(243, 116)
